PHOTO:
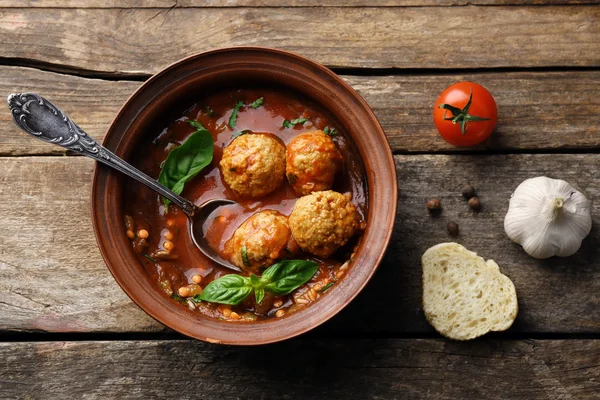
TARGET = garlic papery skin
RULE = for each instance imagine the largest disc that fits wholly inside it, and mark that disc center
(548, 217)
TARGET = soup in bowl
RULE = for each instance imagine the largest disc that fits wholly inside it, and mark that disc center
(305, 161)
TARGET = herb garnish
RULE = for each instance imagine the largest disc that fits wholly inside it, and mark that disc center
(292, 178)
(186, 161)
(196, 299)
(245, 256)
(294, 122)
(259, 291)
(149, 257)
(178, 298)
(257, 103)
(326, 287)
(234, 113)
(240, 133)
(228, 289)
(330, 131)
(208, 111)
(279, 279)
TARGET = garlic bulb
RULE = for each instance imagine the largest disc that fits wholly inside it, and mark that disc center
(548, 217)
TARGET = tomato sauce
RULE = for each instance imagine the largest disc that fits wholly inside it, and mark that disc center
(148, 211)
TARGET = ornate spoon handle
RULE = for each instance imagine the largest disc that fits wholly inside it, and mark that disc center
(42, 119)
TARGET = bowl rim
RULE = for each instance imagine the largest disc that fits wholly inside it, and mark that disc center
(99, 169)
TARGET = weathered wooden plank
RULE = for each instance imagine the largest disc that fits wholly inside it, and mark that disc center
(305, 368)
(538, 110)
(271, 3)
(91, 103)
(550, 291)
(145, 40)
(53, 278)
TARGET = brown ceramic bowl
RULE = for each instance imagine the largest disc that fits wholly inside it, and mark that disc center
(160, 100)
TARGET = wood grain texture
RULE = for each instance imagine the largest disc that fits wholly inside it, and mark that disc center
(538, 110)
(146, 40)
(53, 278)
(91, 103)
(315, 369)
(550, 292)
(271, 3)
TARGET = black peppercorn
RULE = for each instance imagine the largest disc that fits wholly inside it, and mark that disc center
(468, 191)
(452, 228)
(474, 203)
(434, 205)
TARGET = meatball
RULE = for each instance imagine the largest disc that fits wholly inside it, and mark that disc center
(322, 222)
(312, 161)
(253, 165)
(260, 241)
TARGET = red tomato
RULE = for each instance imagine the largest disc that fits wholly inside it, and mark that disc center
(461, 124)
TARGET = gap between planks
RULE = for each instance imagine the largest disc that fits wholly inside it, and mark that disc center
(71, 70)
(167, 334)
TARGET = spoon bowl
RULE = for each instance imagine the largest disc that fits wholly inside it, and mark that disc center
(197, 232)
(38, 117)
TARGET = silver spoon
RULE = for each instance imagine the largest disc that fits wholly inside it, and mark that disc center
(40, 118)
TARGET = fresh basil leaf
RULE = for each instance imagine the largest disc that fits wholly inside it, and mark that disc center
(245, 256)
(259, 291)
(259, 294)
(240, 133)
(294, 122)
(255, 281)
(229, 289)
(196, 298)
(186, 161)
(330, 131)
(234, 113)
(285, 276)
(257, 103)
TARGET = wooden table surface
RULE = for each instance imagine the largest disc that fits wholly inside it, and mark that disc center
(68, 331)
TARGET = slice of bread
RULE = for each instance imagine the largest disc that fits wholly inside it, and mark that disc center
(465, 296)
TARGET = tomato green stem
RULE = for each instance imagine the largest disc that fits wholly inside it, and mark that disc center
(462, 116)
